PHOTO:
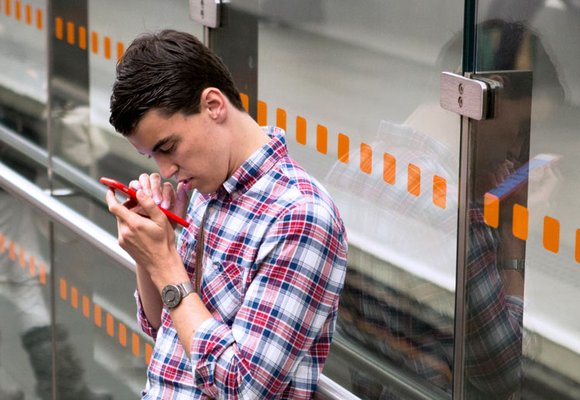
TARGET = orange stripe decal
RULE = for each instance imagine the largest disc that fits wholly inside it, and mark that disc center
(94, 42)
(2, 243)
(28, 14)
(122, 334)
(22, 258)
(577, 252)
(39, 19)
(58, 28)
(120, 50)
(343, 148)
(301, 130)
(98, 315)
(414, 180)
(245, 101)
(70, 33)
(110, 325)
(32, 266)
(551, 234)
(439, 191)
(389, 168)
(86, 307)
(42, 274)
(148, 352)
(82, 37)
(17, 10)
(107, 47)
(281, 118)
(135, 344)
(366, 158)
(520, 222)
(74, 297)
(12, 251)
(7, 9)
(491, 210)
(262, 117)
(322, 139)
(63, 289)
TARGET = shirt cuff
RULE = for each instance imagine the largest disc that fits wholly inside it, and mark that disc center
(209, 342)
(142, 318)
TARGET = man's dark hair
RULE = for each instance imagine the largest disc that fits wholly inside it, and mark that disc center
(166, 71)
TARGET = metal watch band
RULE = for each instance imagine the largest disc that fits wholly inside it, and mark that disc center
(517, 264)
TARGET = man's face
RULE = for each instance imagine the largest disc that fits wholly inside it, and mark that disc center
(191, 149)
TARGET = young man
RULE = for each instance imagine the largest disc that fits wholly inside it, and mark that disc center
(264, 236)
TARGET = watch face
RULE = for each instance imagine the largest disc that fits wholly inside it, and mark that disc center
(171, 296)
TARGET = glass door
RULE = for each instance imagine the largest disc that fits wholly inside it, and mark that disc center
(521, 333)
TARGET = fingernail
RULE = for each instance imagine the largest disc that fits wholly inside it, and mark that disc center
(156, 199)
(165, 204)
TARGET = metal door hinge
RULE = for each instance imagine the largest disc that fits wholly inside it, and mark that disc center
(205, 12)
(468, 96)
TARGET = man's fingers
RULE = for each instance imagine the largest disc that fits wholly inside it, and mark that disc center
(149, 206)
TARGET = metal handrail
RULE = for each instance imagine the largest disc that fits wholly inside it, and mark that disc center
(22, 188)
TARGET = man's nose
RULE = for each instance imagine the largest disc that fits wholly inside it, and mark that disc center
(166, 168)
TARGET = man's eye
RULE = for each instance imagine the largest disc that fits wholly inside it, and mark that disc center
(167, 150)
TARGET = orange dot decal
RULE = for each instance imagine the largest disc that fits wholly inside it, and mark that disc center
(414, 179)
(262, 117)
(107, 47)
(32, 266)
(366, 158)
(322, 139)
(122, 334)
(94, 42)
(42, 274)
(439, 191)
(63, 289)
(74, 297)
(17, 10)
(86, 306)
(281, 118)
(59, 28)
(98, 313)
(148, 352)
(551, 234)
(70, 33)
(389, 168)
(491, 210)
(39, 19)
(82, 37)
(343, 148)
(120, 50)
(28, 14)
(520, 222)
(135, 344)
(110, 325)
(7, 7)
(301, 130)
(245, 101)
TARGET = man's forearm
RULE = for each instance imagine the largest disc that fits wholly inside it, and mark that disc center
(150, 298)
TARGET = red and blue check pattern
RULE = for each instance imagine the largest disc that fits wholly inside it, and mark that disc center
(273, 267)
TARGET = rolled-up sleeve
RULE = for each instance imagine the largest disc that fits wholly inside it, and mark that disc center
(144, 323)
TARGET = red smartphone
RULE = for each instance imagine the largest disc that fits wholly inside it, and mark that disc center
(132, 195)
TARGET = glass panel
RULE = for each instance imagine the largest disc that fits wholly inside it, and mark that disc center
(538, 223)
(25, 351)
(23, 85)
(356, 86)
(100, 350)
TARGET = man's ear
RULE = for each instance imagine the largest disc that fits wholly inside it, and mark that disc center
(214, 102)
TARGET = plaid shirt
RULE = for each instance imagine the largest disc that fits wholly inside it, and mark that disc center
(274, 263)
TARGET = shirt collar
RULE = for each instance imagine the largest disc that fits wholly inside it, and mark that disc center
(258, 164)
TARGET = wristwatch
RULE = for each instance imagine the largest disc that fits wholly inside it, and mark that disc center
(516, 264)
(172, 294)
